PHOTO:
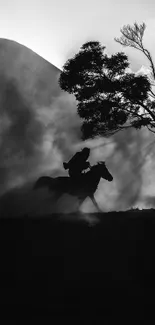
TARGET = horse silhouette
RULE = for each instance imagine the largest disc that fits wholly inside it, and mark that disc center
(82, 187)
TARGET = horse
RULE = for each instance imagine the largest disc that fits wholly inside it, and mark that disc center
(82, 187)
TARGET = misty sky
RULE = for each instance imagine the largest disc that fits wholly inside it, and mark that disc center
(55, 29)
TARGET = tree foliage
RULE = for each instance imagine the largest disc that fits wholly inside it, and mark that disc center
(109, 98)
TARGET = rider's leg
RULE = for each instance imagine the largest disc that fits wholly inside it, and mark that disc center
(86, 165)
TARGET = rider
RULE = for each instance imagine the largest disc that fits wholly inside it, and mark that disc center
(78, 163)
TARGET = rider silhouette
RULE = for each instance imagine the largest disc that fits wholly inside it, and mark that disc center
(78, 163)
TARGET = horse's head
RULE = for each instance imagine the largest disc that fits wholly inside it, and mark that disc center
(104, 172)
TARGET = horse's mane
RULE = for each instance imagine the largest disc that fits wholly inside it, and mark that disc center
(95, 167)
(99, 163)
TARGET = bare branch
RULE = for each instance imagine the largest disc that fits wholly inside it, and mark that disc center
(132, 36)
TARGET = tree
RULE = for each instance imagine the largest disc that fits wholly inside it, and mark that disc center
(132, 36)
(108, 97)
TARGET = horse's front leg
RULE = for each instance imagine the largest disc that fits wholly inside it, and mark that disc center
(80, 200)
(95, 203)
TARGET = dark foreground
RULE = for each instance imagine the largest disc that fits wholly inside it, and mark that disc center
(66, 270)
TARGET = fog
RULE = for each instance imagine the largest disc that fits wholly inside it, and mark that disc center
(40, 128)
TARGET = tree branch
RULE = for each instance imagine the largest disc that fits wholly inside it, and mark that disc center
(150, 129)
(148, 55)
(138, 115)
(152, 94)
(148, 110)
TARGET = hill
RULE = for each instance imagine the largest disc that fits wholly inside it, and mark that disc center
(29, 98)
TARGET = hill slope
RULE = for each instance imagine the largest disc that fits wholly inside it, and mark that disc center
(28, 87)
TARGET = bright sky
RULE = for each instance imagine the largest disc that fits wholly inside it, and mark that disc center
(55, 29)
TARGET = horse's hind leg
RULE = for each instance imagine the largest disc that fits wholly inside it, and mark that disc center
(54, 196)
(80, 201)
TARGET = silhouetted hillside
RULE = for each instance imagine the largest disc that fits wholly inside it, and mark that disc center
(65, 268)
(29, 97)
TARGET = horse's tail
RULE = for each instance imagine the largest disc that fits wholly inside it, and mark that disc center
(65, 165)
